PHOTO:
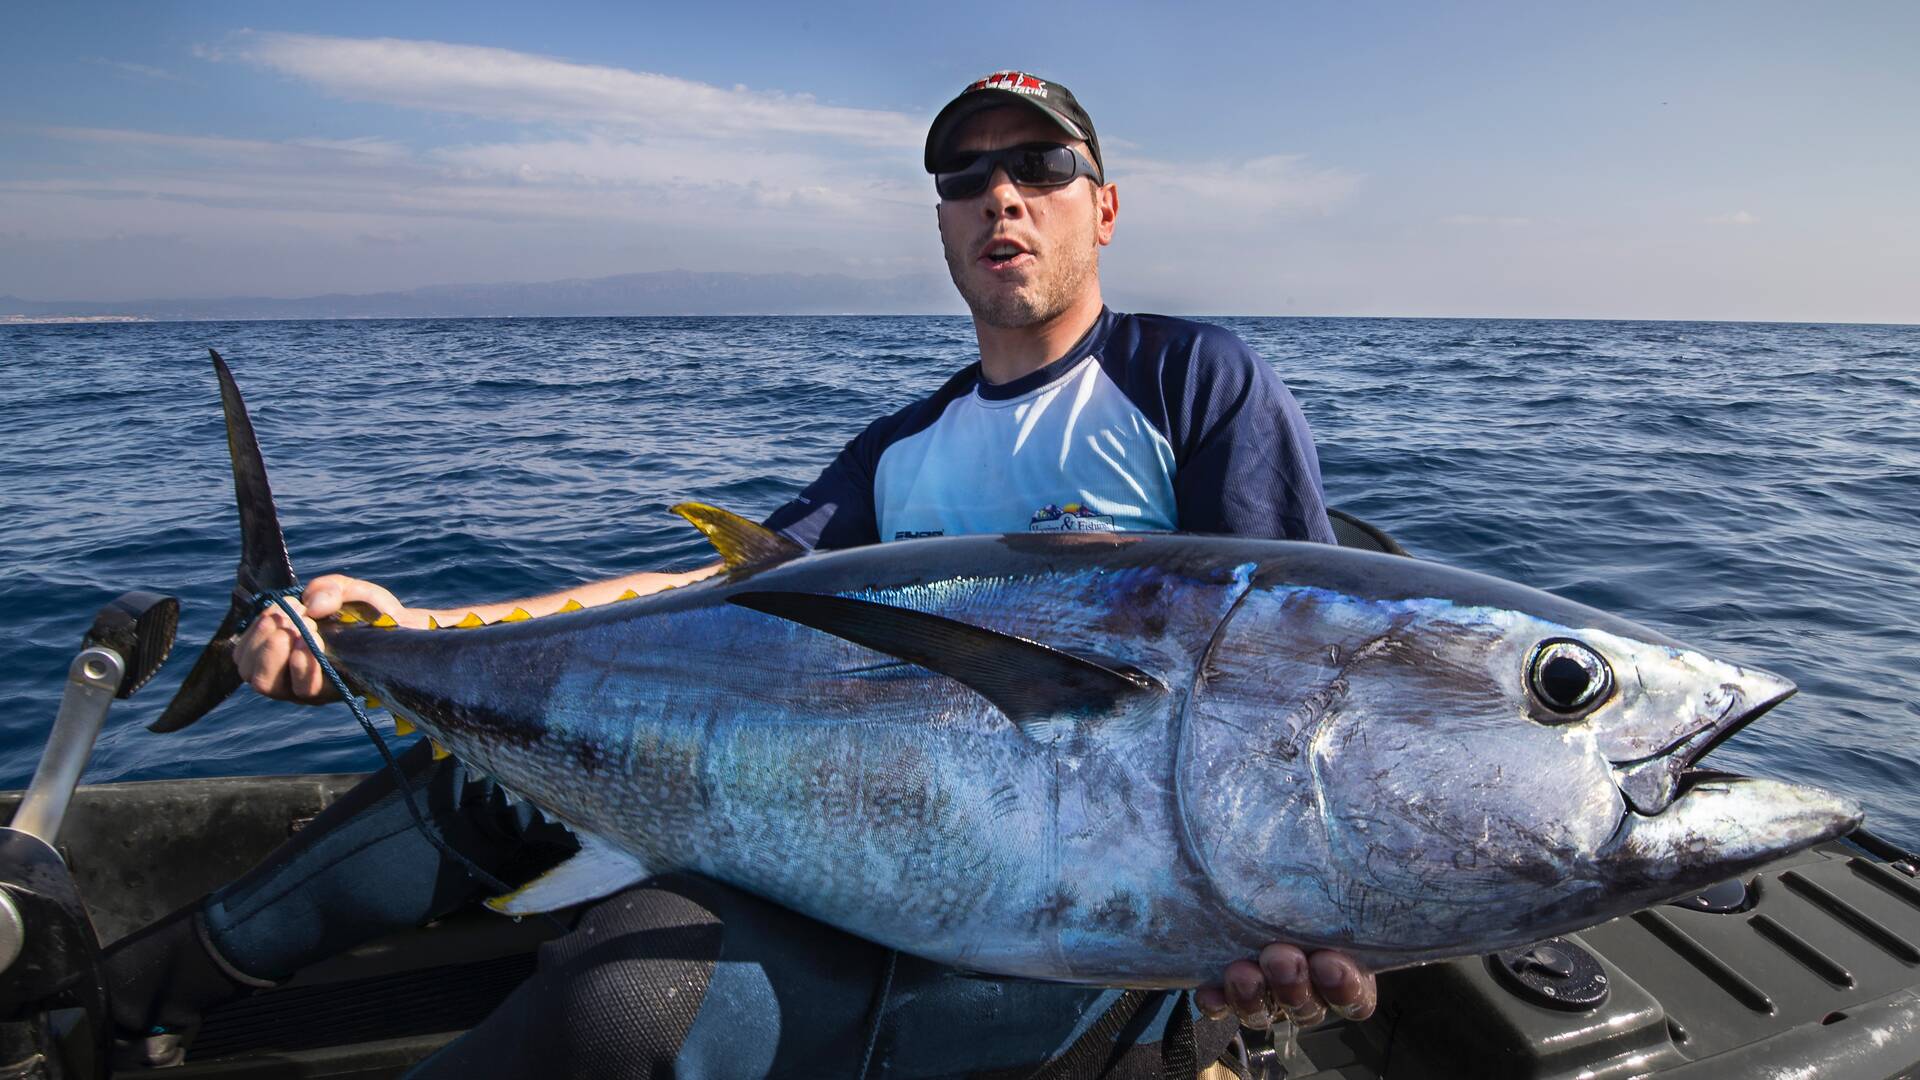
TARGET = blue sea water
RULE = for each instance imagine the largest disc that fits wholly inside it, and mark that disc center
(1751, 488)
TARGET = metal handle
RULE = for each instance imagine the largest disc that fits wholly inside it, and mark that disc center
(92, 681)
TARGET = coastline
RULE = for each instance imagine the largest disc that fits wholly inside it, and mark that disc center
(44, 320)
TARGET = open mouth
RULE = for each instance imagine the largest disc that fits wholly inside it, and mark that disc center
(1650, 784)
(1694, 776)
(1004, 253)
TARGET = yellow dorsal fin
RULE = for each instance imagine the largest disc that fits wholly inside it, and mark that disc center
(439, 752)
(740, 542)
(385, 621)
(472, 620)
(571, 605)
(402, 727)
(375, 703)
(628, 595)
(358, 611)
(432, 623)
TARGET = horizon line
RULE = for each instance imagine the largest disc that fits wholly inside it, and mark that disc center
(126, 320)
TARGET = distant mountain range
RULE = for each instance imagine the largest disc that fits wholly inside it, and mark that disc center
(665, 292)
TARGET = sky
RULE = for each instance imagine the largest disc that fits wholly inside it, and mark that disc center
(1621, 160)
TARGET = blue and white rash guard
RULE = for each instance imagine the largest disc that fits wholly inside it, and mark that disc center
(1149, 422)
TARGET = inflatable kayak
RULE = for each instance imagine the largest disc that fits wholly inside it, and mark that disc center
(1808, 967)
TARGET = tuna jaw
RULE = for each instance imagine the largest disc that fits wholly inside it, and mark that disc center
(1720, 825)
(1688, 705)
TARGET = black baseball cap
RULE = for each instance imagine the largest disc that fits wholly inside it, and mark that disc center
(1050, 99)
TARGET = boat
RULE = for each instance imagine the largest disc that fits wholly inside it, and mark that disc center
(1808, 967)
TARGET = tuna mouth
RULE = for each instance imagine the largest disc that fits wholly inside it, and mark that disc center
(1687, 826)
(1721, 824)
(1696, 776)
(1650, 784)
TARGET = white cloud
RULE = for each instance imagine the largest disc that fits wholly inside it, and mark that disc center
(503, 84)
(1168, 192)
(1738, 217)
(603, 143)
(584, 169)
(569, 178)
(300, 153)
(388, 238)
(1484, 220)
(682, 167)
(142, 70)
(366, 144)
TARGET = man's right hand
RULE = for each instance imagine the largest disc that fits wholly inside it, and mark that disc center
(274, 660)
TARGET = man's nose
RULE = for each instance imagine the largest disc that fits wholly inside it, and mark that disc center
(1003, 197)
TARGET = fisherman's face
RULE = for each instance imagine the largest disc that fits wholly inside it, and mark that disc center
(1055, 234)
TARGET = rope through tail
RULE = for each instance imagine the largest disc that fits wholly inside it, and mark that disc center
(278, 597)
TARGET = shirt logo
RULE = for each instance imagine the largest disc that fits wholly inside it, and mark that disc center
(1069, 518)
(910, 534)
(1017, 81)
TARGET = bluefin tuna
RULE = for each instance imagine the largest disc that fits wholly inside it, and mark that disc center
(1119, 759)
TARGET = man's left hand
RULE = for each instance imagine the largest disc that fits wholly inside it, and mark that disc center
(1286, 983)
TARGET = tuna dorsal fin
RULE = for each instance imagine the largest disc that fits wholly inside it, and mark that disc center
(1030, 682)
(740, 542)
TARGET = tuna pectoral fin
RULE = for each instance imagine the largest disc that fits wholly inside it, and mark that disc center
(1030, 682)
(741, 543)
(263, 564)
(598, 869)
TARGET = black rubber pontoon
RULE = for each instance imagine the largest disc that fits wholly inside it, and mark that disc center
(1810, 967)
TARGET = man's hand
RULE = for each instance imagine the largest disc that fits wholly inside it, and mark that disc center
(1286, 983)
(274, 660)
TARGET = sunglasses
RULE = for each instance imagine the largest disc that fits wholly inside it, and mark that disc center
(1029, 165)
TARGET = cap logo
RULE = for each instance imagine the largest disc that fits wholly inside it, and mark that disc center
(1017, 81)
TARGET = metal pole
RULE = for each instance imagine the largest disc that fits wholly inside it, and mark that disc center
(91, 683)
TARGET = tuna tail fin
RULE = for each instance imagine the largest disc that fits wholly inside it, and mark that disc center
(263, 565)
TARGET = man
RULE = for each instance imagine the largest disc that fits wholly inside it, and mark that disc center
(1074, 417)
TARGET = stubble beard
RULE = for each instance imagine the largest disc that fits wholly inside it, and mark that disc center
(1073, 268)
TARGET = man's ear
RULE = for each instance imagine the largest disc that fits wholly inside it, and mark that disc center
(1106, 204)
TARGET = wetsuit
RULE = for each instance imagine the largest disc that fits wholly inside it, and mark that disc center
(1147, 423)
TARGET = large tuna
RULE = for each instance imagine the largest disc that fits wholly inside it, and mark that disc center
(1108, 758)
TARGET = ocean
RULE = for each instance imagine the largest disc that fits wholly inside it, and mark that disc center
(1750, 488)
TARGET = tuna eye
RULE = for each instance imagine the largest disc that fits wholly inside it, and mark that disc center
(1568, 677)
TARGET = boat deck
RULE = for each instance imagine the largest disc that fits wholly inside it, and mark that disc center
(1812, 968)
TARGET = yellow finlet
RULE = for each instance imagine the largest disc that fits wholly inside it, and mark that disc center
(440, 753)
(741, 543)
(572, 605)
(432, 623)
(628, 595)
(358, 611)
(375, 703)
(518, 614)
(402, 727)
(385, 621)
(472, 620)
